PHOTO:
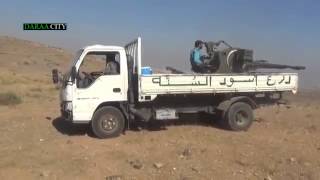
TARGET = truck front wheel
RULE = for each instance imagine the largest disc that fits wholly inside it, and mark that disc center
(239, 116)
(107, 122)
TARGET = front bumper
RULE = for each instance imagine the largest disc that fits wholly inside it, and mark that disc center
(66, 111)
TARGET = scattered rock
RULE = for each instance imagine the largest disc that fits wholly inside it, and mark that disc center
(48, 118)
(195, 169)
(41, 140)
(259, 119)
(158, 165)
(84, 147)
(137, 164)
(292, 159)
(26, 62)
(186, 178)
(307, 164)
(115, 177)
(267, 178)
(203, 150)
(44, 173)
(241, 162)
(186, 152)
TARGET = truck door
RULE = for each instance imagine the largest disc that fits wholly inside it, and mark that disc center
(101, 78)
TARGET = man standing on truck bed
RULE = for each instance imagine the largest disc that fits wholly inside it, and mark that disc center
(196, 57)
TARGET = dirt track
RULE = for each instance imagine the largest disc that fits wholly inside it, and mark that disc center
(283, 142)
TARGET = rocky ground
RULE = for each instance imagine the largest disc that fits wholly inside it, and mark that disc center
(283, 143)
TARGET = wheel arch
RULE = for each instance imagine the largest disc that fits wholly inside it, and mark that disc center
(224, 105)
(120, 105)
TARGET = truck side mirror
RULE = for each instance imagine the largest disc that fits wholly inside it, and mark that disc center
(73, 74)
(55, 77)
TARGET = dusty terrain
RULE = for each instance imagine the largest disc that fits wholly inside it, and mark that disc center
(283, 143)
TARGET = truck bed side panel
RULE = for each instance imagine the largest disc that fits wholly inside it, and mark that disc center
(218, 83)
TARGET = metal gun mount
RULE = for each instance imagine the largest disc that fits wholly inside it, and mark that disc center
(236, 60)
(214, 45)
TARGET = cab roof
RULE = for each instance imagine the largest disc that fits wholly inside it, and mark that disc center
(103, 47)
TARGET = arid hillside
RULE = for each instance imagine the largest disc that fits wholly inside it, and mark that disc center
(35, 143)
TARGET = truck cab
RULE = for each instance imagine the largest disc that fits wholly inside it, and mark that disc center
(87, 84)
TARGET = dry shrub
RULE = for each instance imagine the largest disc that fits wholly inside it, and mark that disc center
(9, 98)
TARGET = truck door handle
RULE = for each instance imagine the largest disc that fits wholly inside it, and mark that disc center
(116, 90)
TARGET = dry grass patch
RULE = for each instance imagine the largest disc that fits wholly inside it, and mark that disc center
(9, 98)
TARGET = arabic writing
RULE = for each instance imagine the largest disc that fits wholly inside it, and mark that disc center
(271, 82)
(194, 81)
(231, 81)
(227, 81)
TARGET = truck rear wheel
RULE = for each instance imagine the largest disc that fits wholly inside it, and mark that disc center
(107, 122)
(238, 117)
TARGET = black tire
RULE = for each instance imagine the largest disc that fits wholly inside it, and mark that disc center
(108, 122)
(238, 117)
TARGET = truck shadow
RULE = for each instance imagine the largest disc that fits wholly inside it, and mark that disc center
(70, 129)
(190, 119)
(67, 128)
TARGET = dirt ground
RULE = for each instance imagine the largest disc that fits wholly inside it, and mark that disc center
(283, 142)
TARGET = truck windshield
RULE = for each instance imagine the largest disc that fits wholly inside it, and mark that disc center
(66, 76)
(76, 58)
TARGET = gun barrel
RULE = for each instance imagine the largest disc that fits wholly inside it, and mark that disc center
(265, 65)
(173, 70)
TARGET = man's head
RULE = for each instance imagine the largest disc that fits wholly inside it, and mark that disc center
(198, 44)
(110, 57)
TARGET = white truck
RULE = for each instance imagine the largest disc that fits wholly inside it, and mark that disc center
(111, 101)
